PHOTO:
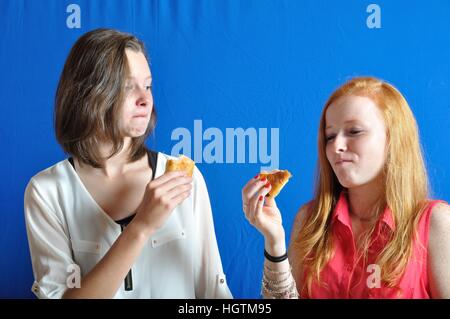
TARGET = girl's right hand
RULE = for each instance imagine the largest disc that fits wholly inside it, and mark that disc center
(262, 212)
(161, 197)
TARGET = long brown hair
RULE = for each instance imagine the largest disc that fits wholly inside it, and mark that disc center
(405, 187)
(90, 94)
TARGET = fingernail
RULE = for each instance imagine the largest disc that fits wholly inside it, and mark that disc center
(263, 179)
(256, 177)
(267, 185)
(261, 197)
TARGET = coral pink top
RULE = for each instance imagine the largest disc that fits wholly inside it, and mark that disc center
(346, 277)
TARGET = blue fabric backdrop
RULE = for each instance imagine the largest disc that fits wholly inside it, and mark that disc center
(264, 66)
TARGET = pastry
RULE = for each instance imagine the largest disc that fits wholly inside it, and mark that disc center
(182, 163)
(277, 178)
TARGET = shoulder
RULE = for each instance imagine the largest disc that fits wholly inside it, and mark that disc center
(46, 190)
(439, 250)
(301, 217)
(440, 221)
(50, 178)
(303, 213)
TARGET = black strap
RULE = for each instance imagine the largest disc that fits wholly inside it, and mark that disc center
(72, 163)
(152, 159)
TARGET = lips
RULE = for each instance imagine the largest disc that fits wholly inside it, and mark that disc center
(141, 115)
(342, 161)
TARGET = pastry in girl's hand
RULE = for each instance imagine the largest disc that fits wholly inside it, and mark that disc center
(182, 163)
(276, 178)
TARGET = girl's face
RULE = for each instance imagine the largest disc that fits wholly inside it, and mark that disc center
(355, 137)
(138, 104)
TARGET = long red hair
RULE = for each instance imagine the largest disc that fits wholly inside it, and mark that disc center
(405, 187)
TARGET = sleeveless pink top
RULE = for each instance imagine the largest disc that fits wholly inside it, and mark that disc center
(346, 277)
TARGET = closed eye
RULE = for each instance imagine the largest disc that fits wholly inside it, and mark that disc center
(329, 138)
(355, 132)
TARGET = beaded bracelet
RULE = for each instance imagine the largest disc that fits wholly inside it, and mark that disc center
(289, 293)
(276, 272)
(274, 282)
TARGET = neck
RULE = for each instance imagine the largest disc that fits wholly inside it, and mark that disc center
(114, 166)
(363, 199)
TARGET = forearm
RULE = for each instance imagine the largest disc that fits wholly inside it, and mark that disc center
(107, 276)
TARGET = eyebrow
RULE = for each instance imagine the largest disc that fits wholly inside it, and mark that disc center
(349, 121)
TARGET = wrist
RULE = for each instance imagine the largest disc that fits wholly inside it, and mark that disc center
(140, 230)
(275, 259)
(275, 249)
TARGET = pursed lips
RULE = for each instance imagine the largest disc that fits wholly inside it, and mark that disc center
(342, 161)
(140, 115)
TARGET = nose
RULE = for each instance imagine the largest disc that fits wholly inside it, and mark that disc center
(339, 144)
(145, 98)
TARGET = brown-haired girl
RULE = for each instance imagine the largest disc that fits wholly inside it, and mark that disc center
(109, 222)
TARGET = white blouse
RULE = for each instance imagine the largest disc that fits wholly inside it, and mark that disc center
(65, 226)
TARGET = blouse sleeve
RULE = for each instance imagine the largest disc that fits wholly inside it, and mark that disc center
(49, 244)
(210, 281)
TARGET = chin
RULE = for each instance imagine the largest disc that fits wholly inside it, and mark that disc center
(136, 135)
(137, 132)
(348, 182)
